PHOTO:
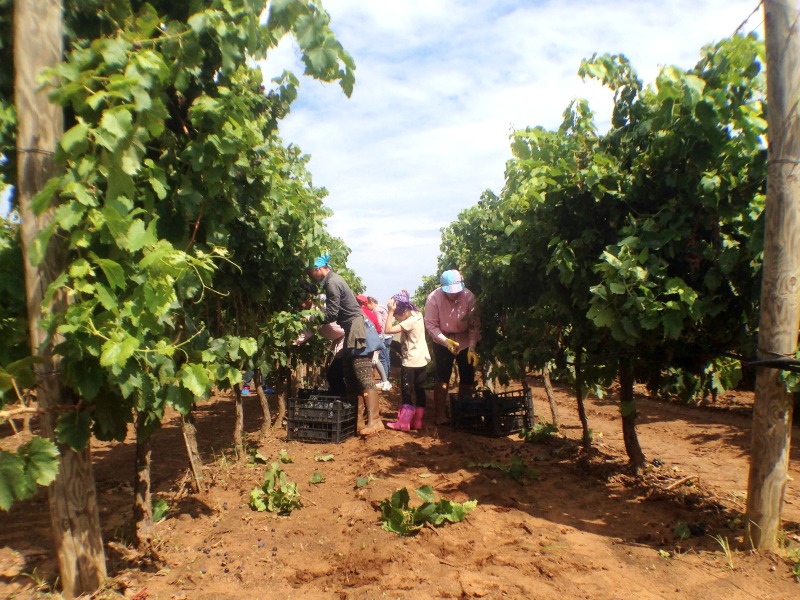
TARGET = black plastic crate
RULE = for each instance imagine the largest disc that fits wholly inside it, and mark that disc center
(305, 393)
(320, 418)
(496, 415)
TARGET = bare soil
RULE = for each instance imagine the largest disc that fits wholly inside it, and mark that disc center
(585, 528)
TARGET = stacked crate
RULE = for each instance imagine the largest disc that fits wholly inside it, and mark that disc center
(320, 418)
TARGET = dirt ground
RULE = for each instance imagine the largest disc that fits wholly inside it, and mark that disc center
(585, 528)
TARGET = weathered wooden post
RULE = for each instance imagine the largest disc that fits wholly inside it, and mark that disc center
(38, 44)
(780, 288)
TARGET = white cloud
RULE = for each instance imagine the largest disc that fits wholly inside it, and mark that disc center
(439, 86)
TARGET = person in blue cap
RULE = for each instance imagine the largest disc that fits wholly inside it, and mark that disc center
(361, 339)
(451, 319)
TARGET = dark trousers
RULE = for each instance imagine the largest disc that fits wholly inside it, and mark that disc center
(444, 366)
(412, 383)
(335, 376)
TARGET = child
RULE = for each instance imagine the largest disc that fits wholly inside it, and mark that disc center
(385, 385)
(415, 359)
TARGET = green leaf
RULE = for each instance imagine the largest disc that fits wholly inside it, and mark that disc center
(116, 123)
(426, 493)
(41, 459)
(363, 481)
(317, 477)
(160, 509)
(257, 496)
(137, 236)
(194, 378)
(323, 457)
(116, 352)
(41, 201)
(248, 346)
(283, 456)
(617, 288)
(74, 429)
(14, 484)
(673, 324)
(112, 270)
(114, 51)
(75, 139)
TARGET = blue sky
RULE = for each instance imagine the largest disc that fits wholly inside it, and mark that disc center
(440, 84)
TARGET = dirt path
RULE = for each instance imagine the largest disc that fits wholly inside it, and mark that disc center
(583, 529)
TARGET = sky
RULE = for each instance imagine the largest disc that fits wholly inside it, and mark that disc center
(441, 84)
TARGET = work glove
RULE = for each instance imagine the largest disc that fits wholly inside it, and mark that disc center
(452, 345)
(472, 358)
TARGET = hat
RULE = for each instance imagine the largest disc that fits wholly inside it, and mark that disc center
(321, 261)
(452, 282)
(362, 299)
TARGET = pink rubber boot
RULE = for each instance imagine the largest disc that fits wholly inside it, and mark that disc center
(416, 422)
(403, 422)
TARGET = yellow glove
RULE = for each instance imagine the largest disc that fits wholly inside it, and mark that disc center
(472, 358)
(452, 345)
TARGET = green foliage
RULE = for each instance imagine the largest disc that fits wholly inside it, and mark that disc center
(276, 494)
(792, 558)
(649, 235)
(160, 509)
(682, 531)
(719, 375)
(187, 222)
(14, 343)
(400, 518)
(539, 433)
(516, 469)
(317, 477)
(364, 481)
(256, 457)
(34, 463)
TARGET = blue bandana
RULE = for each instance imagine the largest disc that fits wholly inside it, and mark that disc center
(322, 261)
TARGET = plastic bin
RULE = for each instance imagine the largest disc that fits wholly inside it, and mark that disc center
(320, 419)
(495, 415)
(305, 393)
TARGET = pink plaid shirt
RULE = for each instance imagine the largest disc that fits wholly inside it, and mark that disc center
(456, 319)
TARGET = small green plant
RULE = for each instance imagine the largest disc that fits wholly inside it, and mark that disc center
(317, 477)
(539, 433)
(792, 558)
(39, 582)
(517, 470)
(283, 455)
(276, 494)
(400, 518)
(726, 548)
(255, 457)
(160, 509)
(363, 481)
(323, 457)
(682, 531)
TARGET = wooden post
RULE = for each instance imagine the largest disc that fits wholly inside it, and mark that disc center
(38, 40)
(780, 288)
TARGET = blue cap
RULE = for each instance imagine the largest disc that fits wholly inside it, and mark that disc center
(452, 282)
